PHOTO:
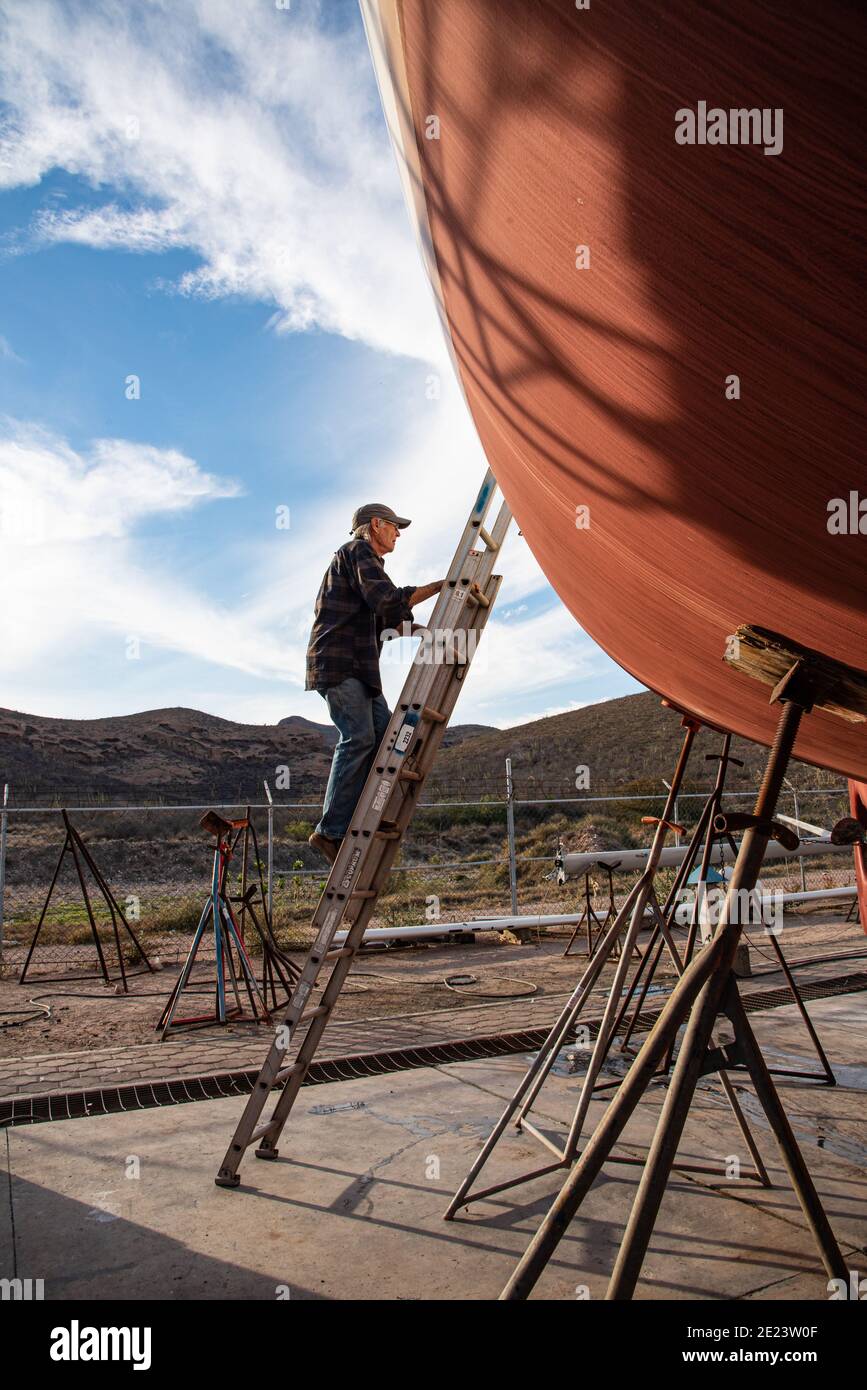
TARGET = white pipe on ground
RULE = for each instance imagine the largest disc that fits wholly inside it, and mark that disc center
(553, 919)
(816, 895)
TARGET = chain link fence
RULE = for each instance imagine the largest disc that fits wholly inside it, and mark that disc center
(461, 860)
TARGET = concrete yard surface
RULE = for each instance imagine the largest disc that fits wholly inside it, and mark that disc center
(124, 1206)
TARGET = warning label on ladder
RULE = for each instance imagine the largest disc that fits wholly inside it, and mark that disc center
(328, 926)
(383, 792)
(350, 872)
(405, 733)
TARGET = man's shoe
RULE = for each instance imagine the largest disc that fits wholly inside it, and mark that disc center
(326, 847)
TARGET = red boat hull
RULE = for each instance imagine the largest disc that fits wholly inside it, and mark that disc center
(602, 379)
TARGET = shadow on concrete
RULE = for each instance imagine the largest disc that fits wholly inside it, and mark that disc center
(82, 1253)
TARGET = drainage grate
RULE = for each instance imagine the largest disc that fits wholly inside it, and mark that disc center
(112, 1100)
(822, 989)
(760, 1000)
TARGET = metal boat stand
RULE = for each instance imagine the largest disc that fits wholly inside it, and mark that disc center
(702, 834)
(802, 680)
(589, 918)
(720, 827)
(229, 945)
(82, 858)
(641, 896)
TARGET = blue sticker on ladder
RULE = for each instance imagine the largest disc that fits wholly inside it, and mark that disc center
(483, 497)
(405, 733)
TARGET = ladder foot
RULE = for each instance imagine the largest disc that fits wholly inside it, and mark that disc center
(267, 1153)
(227, 1179)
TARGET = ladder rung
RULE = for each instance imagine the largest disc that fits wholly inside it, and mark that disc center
(406, 775)
(386, 834)
(488, 539)
(481, 599)
(285, 1074)
(337, 954)
(260, 1132)
(434, 715)
(363, 893)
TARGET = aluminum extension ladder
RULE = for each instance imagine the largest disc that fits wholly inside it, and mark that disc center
(384, 810)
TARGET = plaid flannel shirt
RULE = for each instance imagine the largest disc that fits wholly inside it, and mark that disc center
(356, 601)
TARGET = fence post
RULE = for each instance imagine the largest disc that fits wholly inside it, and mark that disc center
(801, 857)
(793, 789)
(3, 819)
(510, 827)
(270, 854)
(677, 840)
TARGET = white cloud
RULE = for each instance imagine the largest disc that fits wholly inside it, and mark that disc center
(243, 133)
(519, 660)
(74, 572)
(50, 495)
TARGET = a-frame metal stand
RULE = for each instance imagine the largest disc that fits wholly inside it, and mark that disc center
(706, 990)
(75, 847)
(384, 810)
(641, 896)
(590, 919)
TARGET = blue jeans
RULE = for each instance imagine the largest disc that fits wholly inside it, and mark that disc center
(361, 720)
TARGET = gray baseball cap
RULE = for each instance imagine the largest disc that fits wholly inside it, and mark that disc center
(372, 509)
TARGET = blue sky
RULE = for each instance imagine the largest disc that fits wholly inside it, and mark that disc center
(202, 194)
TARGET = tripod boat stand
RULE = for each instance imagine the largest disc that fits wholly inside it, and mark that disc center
(720, 827)
(589, 918)
(229, 947)
(802, 680)
(704, 828)
(641, 896)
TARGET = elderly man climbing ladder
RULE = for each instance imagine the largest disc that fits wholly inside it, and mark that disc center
(356, 603)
